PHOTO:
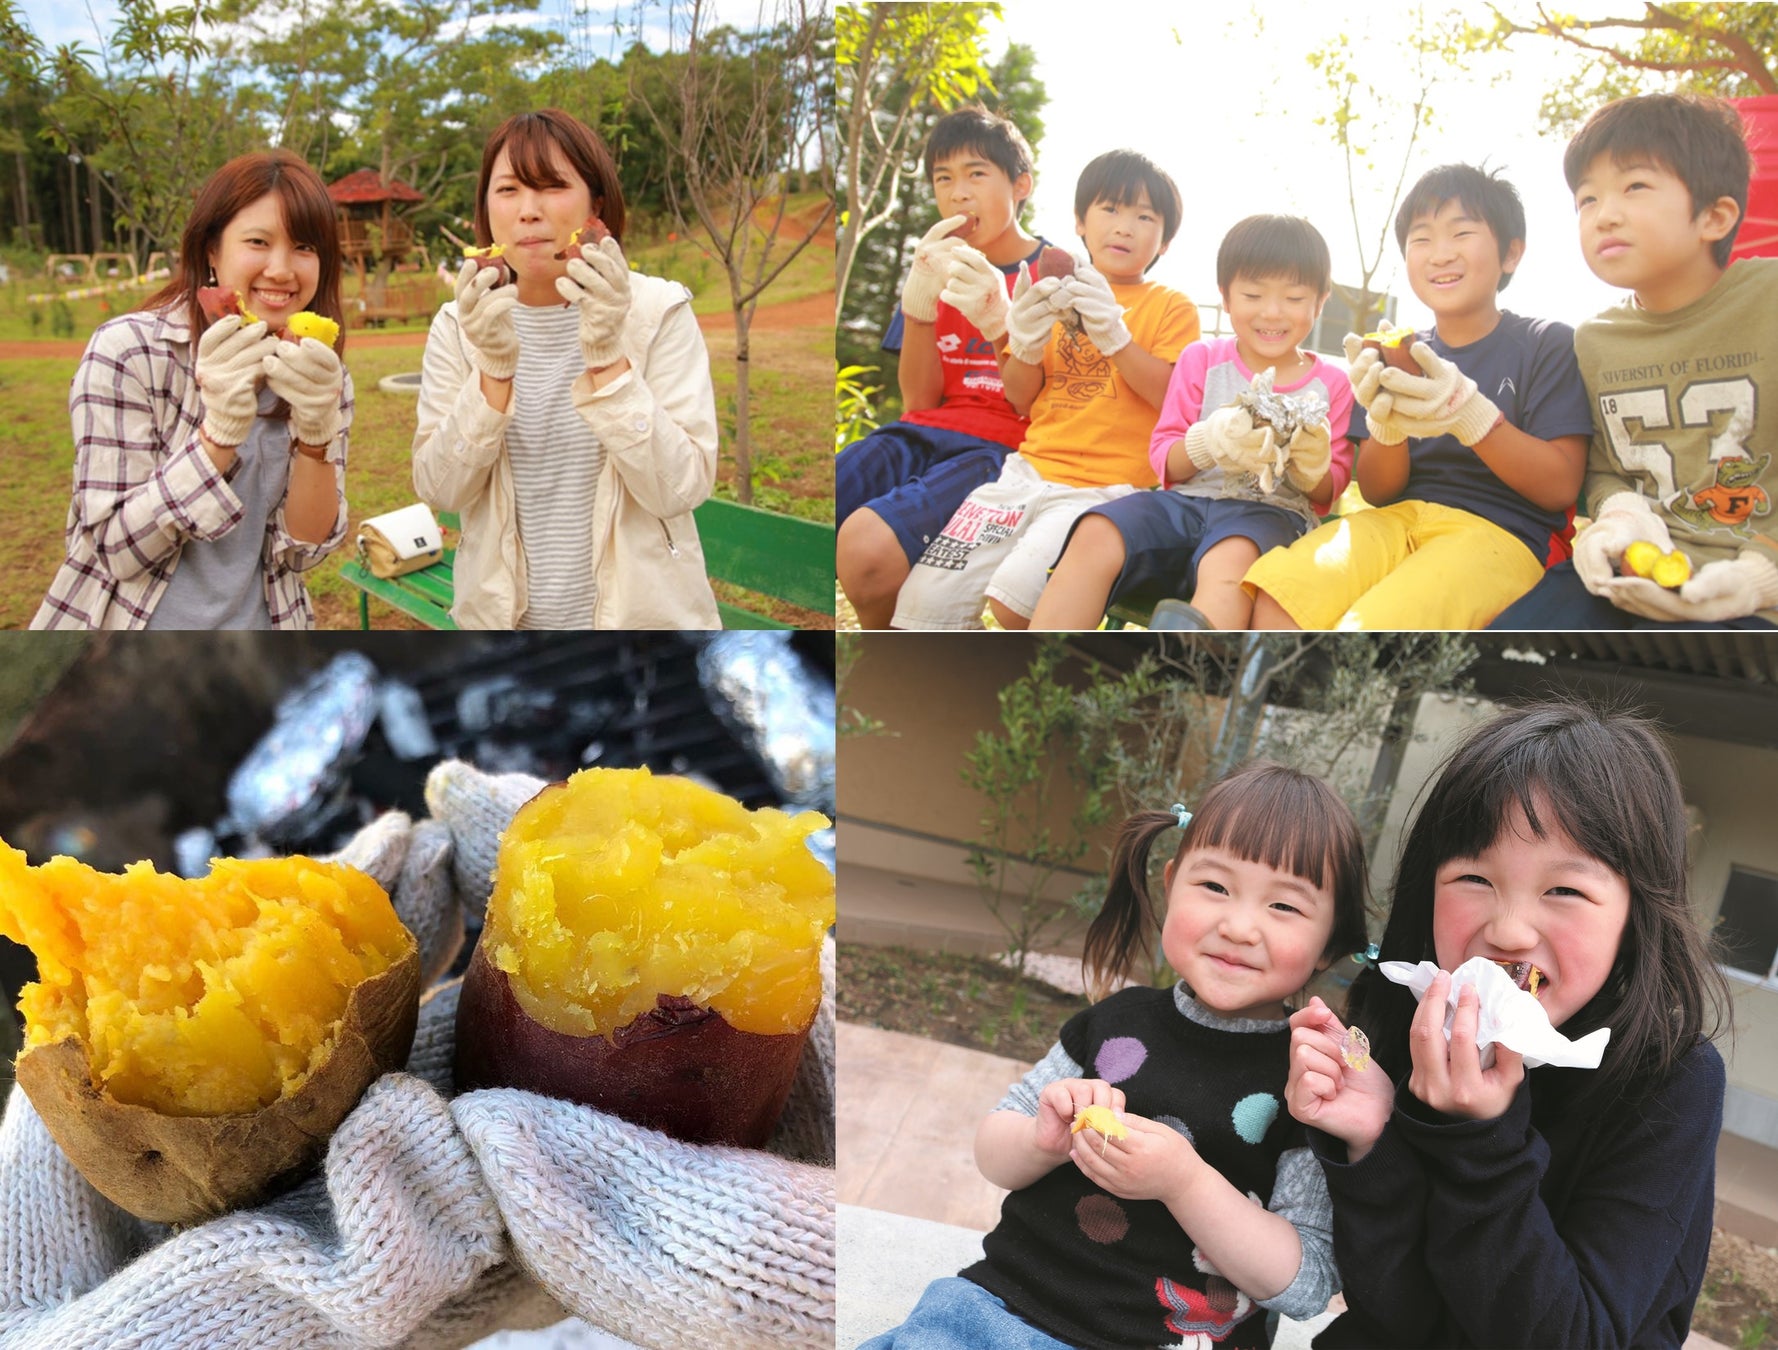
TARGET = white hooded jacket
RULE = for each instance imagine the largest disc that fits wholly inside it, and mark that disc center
(657, 424)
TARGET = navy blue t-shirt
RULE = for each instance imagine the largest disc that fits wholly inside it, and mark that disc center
(892, 334)
(1527, 368)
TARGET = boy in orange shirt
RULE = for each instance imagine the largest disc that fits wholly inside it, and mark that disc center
(1089, 356)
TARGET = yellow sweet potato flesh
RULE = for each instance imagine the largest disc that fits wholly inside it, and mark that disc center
(619, 886)
(208, 997)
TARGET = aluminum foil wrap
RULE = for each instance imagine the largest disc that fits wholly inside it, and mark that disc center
(288, 783)
(779, 709)
(1287, 414)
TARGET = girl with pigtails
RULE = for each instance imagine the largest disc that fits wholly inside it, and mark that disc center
(1159, 1193)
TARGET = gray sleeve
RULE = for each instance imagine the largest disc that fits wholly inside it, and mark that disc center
(1052, 1068)
(1300, 1195)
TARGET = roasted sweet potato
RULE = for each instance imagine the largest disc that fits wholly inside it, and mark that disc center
(652, 949)
(192, 1044)
(591, 230)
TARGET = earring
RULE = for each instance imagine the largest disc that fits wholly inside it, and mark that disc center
(212, 280)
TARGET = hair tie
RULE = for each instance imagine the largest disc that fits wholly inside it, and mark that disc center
(1367, 957)
(1184, 816)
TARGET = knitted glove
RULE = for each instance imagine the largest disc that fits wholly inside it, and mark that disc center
(598, 282)
(926, 276)
(1036, 307)
(977, 288)
(1229, 438)
(1730, 589)
(230, 365)
(309, 377)
(486, 319)
(1089, 295)
(1622, 519)
(401, 1239)
(1443, 400)
(1311, 453)
(1365, 369)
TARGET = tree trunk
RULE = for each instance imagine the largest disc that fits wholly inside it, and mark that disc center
(743, 427)
(73, 211)
(95, 206)
(1246, 705)
(1398, 732)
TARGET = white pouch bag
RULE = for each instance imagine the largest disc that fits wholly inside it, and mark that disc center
(398, 542)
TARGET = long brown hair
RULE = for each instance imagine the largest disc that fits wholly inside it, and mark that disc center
(308, 215)
(1606, 779)
(1263, 812)
(527, 137)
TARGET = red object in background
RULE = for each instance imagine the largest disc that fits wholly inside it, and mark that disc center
(1758, 236)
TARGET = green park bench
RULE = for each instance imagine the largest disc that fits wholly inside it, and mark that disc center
(772, 555)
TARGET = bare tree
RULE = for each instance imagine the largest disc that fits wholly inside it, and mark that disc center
(733, 118)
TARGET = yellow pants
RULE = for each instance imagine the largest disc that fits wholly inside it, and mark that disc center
(1409, 565)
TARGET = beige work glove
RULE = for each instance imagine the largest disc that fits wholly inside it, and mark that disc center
(1732, 588)
(1311, 455)
(1365, 370)
(1229, 439)
(977, 288)
(1622, 519)
(598, 285)
(926, 276)
(485, 315)
(1089, 295)
(1443, 400)
(230, 366)
(1037, 306)
(309, 377)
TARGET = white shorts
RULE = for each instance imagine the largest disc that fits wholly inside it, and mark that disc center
(1001, 542)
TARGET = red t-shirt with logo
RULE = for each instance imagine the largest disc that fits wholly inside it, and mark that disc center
(974, 399)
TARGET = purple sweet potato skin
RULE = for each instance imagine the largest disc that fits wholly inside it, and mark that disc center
(679, 1069)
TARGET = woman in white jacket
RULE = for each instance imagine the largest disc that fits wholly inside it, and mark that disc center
(567, 416)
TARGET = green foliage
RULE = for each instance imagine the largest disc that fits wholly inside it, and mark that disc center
(893, 61)
(854, 413)
(1729, 50)
(1021, 773)
(853, 721)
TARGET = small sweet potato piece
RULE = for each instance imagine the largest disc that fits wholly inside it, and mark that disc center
(491, 256)
(592, 230)
(1055, 262)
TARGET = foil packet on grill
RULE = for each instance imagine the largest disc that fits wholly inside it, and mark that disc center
(1286, 414)
(292, 781)
(779, 708)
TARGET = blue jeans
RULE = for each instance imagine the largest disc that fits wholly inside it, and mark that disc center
(958, 1314)
(1562, 603)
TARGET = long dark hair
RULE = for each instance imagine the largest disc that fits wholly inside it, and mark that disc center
(1262, 812)
(309, 216)
(1606, 779)
(527, 137)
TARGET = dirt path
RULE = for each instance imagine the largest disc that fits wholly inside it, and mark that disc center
(810, 313)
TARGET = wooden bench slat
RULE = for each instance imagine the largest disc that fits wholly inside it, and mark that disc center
(761, 551)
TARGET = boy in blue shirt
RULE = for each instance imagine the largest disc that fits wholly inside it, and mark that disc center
(895, 488)
(1682, 454)
(1470, 467)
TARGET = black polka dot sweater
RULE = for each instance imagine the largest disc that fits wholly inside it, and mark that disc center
(1104, 1273)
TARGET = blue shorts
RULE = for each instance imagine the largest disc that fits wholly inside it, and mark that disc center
(958, 1314)
(1166, 535)
(914, 477)
(1561, 602)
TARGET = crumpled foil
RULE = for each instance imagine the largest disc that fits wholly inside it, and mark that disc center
(288, 783)
(779, 709)
(1287, 414)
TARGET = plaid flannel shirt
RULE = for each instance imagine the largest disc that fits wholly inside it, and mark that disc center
(143, 484)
